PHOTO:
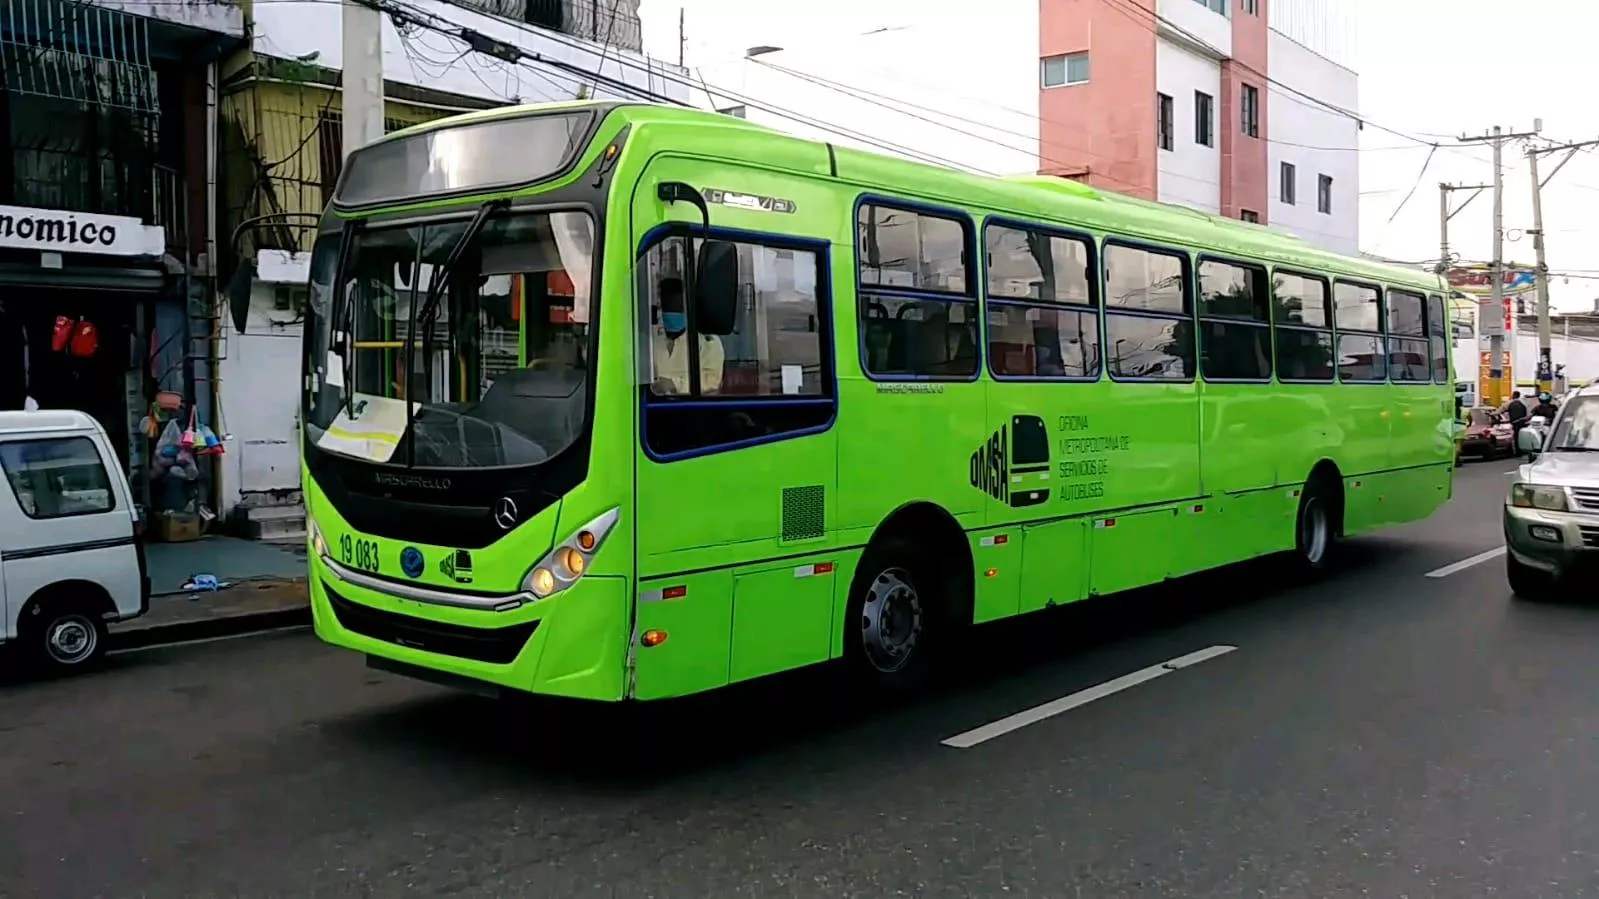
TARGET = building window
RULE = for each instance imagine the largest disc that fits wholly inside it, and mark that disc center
(1286, 188)
(1204, 119)
(1324, 194)
(1163, 123)
(1249, 110)
(1251, 7)
(737, 112)
(1215, 6)
(1068, 68)
(1249, 215)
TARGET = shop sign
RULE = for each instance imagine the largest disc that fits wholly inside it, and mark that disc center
(59, 231)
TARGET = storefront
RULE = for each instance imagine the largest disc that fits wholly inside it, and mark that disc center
(92, 317)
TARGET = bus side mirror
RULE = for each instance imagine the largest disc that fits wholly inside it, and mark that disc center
(1538, 421)
(716, 288)
(238, 293)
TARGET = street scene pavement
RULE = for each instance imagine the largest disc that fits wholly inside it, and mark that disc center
(1404, 728)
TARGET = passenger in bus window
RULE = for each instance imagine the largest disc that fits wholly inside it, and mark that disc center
(669, 353)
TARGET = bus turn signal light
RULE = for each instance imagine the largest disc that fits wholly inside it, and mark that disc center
(653, 638)
(586, 541)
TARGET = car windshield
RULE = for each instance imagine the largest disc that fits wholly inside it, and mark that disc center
(1578, 427)
(1481, 418)
(479, 363)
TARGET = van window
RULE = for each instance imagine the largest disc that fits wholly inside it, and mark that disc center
(58, 477)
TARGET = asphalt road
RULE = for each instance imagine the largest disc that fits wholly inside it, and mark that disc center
(1382, 733)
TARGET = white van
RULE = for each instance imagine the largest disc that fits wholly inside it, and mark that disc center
(71, 558)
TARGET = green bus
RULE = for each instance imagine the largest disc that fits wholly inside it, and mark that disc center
(622, 401)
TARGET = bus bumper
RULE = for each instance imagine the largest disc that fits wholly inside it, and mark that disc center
(573, 644)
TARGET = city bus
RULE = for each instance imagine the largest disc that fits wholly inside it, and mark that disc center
(627, 402)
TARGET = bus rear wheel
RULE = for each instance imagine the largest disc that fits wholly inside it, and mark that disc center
(899, 613)
(1315, 530)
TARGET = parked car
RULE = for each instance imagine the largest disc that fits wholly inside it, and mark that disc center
(1488, 435)
(70, 554)
(1551, 518)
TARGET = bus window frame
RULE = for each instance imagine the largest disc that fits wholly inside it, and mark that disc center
(1446, 375)
(972, 294)
(1095, 305)
(1264, 276)
(824, 324)
(1425, 336)
(1331, 329)
(1190, 306)
(1381, 333)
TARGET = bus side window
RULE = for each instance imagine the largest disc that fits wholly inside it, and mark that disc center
(770, 377)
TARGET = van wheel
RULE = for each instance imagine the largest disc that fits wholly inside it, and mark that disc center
(64, 637)
(899, 616)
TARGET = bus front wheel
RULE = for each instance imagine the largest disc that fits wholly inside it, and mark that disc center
(900, 612)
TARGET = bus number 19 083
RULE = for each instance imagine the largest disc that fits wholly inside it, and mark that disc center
(359, 553)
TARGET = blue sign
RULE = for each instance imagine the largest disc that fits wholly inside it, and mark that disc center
(411, 562)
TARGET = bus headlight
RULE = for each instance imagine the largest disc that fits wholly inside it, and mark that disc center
(319, 544)
(570, 558)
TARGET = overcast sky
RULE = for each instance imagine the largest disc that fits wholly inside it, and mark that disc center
(1430, 69)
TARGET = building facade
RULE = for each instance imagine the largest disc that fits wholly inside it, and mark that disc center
(106, 234)
(282, 148)
(1240, 107)
(1246, 108)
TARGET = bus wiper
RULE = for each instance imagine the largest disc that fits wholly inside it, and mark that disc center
(429, 313)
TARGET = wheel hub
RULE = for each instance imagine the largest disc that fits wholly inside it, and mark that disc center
(71, 640)
(891, 620)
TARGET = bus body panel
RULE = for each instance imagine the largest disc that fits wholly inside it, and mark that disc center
(734, 559)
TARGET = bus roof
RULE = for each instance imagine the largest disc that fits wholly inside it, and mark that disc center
(1043, 198)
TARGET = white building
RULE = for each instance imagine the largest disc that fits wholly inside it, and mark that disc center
(1240, 107)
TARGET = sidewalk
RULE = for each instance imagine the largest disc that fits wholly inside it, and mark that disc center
(254, 606)
(265, 590)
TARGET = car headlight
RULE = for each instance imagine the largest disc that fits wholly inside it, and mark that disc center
(567, 562)
(1533, 496)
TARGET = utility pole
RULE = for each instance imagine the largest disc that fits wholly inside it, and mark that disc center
(682, 37)
(1491, 316)
(1546, 368)
(362, 81)
(1444, 215)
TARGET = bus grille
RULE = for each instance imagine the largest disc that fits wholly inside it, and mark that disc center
(495, 645)
(804, 513)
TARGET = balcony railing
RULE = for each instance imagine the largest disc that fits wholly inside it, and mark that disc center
(156, 195)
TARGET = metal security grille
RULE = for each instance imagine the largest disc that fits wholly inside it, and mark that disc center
(74, 51)
(804, 513)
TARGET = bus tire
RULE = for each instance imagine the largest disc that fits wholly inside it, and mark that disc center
(900, 615)
(1316, 528)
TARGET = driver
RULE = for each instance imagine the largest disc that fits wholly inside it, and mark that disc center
(669, 348)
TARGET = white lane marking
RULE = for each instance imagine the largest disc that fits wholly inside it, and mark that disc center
(1463, 564)
(1081, 698)
(174, 644)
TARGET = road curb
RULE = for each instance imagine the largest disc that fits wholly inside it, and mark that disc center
(207, 629)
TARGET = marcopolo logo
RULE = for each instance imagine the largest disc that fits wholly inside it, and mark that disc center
(1012, 466)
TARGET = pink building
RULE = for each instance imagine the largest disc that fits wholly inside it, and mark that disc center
(1206, 103)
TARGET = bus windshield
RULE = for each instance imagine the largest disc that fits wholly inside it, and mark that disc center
(449, 346)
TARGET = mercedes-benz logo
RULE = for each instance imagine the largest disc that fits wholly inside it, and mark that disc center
(505, 513)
